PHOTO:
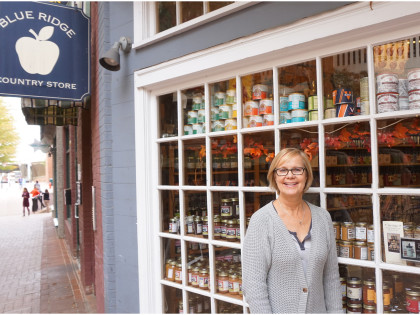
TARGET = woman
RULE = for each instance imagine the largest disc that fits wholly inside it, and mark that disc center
(289, 254)
(25, 195)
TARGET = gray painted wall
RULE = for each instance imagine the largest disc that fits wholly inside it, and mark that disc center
(117, 123)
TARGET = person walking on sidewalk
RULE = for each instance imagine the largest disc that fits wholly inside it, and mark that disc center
(47, 199)
(34, 193)
(38, 186)
(25, 195)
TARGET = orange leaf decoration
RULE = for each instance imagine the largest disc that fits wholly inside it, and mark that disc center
(269, 157)
(400, 131)
(345, 135)
(202, 152)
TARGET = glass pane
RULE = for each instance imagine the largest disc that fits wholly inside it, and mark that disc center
(228, 272)
(198, 303)
(254, 201)
(399, 152)
(195, 162)
(258, 154)
(196, 213)
(214, 5)
(170, 211)
(297, 92)
(228, 308)
(172, 270)
(224, 161)
(346, 86)
(193, 107)
(190, 10)
(397, 75)
(399, 284)
(348, 158)
(400, 217)
(172, 300)
(306, 140)
(168, 117)
(166, 15)
(223, 105)
(226, 221)
(313, 198)
(169, 167)
(257, 99)
(198, 265)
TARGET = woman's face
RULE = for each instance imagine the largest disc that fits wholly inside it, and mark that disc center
(291, 184)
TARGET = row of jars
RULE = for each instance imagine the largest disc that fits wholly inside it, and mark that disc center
(196, 305)
(223, 163)
(350, 231)
(229, 277)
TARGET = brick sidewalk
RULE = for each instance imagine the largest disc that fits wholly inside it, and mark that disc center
(36, 273)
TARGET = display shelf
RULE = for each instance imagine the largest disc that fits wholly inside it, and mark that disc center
(399, 164)
(350, 165)
(356, 262)
(229, 296)
(350, 185)
(350, 207)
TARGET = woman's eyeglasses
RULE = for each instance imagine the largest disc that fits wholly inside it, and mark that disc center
(285, 171)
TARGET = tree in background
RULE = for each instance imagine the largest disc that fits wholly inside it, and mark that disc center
(9, 137)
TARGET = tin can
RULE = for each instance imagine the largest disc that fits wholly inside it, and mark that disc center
(342, 96)
(197, 128)
(415, 105)
(215, 113)
(230, 124)
(218, 125)
(403, 87)
(255, 121)
(234, 110)
(344, 110)
(413, 77)
(414, 96)
(387, 83)
(403, 103)
(299, 115)
(329, 103)
(225, 112)
(188, 130)
(284, 103)
(313, 115)
(230, 96)
(192, 117)
(197, 102)
(296, 101)
(268, 120)
(201, 116)
(265, 107)
(259, 91)
(251, 108)
(364, 107)
(312, 102)
(364, 88)
(219, 98)
(387, 102)
(285, 117)
(330, 113)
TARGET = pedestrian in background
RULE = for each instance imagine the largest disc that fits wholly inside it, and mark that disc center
(35, 193)
(47, 199)
(38, 186)
(25, 195)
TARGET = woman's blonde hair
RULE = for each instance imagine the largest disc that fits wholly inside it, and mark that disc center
(286, 154)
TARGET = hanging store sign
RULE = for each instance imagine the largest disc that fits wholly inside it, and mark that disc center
(44, 51)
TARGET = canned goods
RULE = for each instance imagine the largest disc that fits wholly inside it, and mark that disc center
(364, 107)
(192, 117)
(342, 96)
(197, 102)
(313, 115)
(215, 113)
(387, 83)
(259, 91)
(299, 115)
(285, 117)
(230, 124)
(344, 110)
(329, 103)
(265, 107)
(188, 130)
(225, 112)
(330, 113)
(414, 96)
(255, 121)
(219, 98)
(296, 101)
(364, 88)
(230, 97)
(201, 116)
(312, 102)
(218, 125)
(251, 108)
(197, 128)
(413, 77)
(387, 102)
(268, 120)
(284, 103)
(415, 105)
(234, 110)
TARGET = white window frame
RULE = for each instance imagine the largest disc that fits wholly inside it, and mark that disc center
(146, 18)
(345, 29)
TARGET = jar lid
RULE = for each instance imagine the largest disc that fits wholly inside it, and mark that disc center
(169, 260)
(347, 242)
(347, 223)
(173, 263)
(354, 305)
(359, 243)
(225, 220)
(216, 219)
(179, 265)
(336, 223)
(370, 226)
(354, 281)
(385, 286)
(206, 218)
(361, 224)
(223, 273)
(234, 199)
(342, 279)
(197, 218)
(369, 282)
(196, 269)
(225, 200)
(204, 271)
(231, 222)
(412, 293)
(369, 307)
(233, 275)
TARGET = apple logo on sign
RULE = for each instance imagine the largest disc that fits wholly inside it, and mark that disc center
(38, 55)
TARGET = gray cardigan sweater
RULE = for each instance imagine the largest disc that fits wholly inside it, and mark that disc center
(273, 279)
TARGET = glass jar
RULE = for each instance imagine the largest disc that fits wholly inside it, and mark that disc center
(238, 229)
(346, 249)
(194, 277)
(223, 229)
(354, 308)
(198, 226)
(370, 235)
(361, 231)
(181, 307)
(192, 306)
(217, 162)
(371, 252)
(247, 163)
(336, 226)
(190, 224)
(223, 282)
(347, 231)
(199, 303)
(369, 292)
(233, 283)
(412, 299)
(167, 266)
(231, 230)
(398, 285)
(226, 210)
(190, 272)
(217, 234)
(190, 162)
(206, 227)
(233, 161)
(343, 284)
(203, 279)
(173, 225)
(171, 271)
(386, 295)
(360, 250)
(354, 289)
(178, 273)
(369, 309)
(235, 207)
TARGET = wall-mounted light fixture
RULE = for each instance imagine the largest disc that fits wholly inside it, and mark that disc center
(111, 59)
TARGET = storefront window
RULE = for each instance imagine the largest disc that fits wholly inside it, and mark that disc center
(257, 99)
(170, 211)
(258, 154)
(195, 162)
(193, 105)
(195, 213)
(169, 169)
(224, 161)
(190, 10)
(399, 152)
(346, 84)
(223, 105)
(168, 115)
(166, 12)
(307, 141)
(172, 300)
(348, 155)
(297, 93)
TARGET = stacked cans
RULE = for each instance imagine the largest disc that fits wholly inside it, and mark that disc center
(259, 112)
(343, 102)
(196, 117)
(224, 111)
(413, 88)
(293, 108)
(363, 101)
(387, 85)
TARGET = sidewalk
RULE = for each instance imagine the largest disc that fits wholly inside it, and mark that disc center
(36, 273)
